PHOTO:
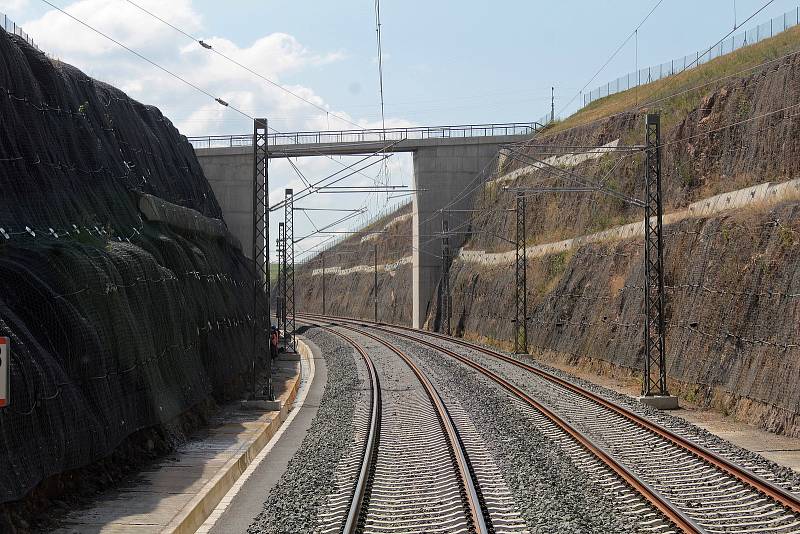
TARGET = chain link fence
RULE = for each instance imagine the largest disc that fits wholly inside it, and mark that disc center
(13, 28)
(675, 66)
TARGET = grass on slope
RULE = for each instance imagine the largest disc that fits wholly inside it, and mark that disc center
(676, 96)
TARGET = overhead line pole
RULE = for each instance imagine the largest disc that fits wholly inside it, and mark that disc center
(260, 250)
(521, 279)
(323, 283)
(289, 334)
(280, 286)
(375, 280)
(445, 298)
(654, 383)
(655, 379)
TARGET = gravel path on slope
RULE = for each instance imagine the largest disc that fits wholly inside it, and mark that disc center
(553, 496)
(294, 503)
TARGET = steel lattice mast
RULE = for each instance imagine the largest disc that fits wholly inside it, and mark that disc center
(279, 280)
(521, 301)
(261, 304)
(323, 283)
(289, 293)
(445, 298)
(655, 375)
(282, 282)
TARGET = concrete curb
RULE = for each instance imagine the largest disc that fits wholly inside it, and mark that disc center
(200, 507)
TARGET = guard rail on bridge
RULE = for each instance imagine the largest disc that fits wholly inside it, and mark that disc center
(362, 136)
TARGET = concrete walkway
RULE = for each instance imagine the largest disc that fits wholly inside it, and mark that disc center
(178, 493)
(245, 500)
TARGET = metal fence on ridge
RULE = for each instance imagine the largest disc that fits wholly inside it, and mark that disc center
(650, 74)
(12, 27)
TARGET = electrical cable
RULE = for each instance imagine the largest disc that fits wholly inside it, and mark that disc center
(176, 76)
(245, 67)
(611, 58)
(643, 105)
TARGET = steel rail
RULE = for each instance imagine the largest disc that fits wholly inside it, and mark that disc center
(354, 513)
(477, 515)
(754, 481)
(742, 474)
(652, 495)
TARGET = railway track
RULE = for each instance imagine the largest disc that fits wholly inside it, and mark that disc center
(413, 471)
(696, 489)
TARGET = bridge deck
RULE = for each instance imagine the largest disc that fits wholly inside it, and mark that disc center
(368, 141)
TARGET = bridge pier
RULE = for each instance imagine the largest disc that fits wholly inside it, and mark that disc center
(444, 175)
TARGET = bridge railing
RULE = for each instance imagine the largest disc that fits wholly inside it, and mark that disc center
(374, 135)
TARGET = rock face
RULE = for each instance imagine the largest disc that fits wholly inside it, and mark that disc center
(733, 281)
(349, 273)
(732, 310)
(117, 322)
(733, 278)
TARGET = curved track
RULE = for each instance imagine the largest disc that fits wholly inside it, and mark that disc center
(421, 463)
(695, 488)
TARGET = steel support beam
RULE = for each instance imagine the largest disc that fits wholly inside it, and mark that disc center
(655, 375)
(521, 278)
(375, 281)
(261, 304)
(282, 318)
(323, 283)
(279, 285)
(445, 298)
(289, 276)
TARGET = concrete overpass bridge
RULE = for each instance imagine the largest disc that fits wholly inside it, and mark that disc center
(447, 161)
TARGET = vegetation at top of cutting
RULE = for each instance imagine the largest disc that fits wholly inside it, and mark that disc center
(675, 96)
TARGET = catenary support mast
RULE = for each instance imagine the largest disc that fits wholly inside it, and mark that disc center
(260, 249)
(655, 375)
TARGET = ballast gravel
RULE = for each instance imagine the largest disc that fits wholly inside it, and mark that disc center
(775, 473)
(553, 496)
(294, 502)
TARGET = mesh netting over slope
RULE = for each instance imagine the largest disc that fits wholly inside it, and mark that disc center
(116, 323)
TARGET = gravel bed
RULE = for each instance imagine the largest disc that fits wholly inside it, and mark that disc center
(778, 474)
(294, 502)
(553, 495)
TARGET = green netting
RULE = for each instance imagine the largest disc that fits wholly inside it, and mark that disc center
(116, 323)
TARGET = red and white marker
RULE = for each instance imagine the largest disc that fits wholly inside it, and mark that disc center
(5, 370)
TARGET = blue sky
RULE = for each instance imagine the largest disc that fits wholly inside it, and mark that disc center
(445, 62)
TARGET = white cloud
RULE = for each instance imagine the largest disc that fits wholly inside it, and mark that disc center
(10, 7)
(274, 55)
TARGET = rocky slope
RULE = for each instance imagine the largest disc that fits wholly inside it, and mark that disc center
(733, 281)
(125, 301)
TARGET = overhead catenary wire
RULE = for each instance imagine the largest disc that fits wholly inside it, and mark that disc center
(328, 113)
(194, 86)
(613, 55)
(209, 47)
(639, 106)
(150, 61)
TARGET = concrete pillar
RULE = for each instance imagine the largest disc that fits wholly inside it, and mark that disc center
(230, 174)
(446, 174)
